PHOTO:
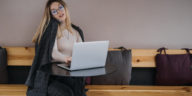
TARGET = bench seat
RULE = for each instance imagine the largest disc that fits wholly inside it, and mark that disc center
(110, 90)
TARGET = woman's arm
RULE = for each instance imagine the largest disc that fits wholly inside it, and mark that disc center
(57, 55)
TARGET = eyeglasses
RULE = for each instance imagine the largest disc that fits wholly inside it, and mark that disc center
(55, 11)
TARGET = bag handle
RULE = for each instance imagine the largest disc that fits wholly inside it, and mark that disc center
(162, 49)
(122, 48)
(187, 50)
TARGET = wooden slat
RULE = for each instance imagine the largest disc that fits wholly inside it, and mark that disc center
(111, 90)
(20, 56)
(13, 90)
(13, 93)
(12, 87)
(23, 56)
(143, 58)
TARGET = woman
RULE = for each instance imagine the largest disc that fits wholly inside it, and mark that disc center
(54, 40)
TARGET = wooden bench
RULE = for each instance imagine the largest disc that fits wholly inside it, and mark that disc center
(23, 56)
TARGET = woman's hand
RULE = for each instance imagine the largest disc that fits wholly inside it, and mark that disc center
(68, 60)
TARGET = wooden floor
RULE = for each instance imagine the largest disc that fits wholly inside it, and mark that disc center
(111, 90)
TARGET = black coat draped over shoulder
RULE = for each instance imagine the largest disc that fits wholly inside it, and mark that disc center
(38, 80)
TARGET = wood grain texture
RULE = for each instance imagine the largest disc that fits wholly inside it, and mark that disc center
(13, 90)
(20, 56)
(124, 90)
(110, 90)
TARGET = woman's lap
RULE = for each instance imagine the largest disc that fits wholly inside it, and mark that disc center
(58, 89)
(65, 86)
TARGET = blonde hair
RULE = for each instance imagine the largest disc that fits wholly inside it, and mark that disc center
(46, 19)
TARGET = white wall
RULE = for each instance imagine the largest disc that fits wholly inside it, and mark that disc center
(129, 23)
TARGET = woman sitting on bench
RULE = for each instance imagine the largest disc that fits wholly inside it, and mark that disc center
(54, 41)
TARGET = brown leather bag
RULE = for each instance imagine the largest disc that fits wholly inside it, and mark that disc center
(173, 69)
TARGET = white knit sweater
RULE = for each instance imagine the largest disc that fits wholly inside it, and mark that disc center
(64, 45)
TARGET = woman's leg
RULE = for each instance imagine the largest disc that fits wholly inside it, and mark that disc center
(77, 84)
(56, 88)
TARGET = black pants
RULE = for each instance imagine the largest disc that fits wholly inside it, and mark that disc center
(66, 86)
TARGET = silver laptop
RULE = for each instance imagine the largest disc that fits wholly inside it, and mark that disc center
(87, 55)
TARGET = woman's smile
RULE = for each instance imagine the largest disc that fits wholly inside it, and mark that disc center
(60, 16)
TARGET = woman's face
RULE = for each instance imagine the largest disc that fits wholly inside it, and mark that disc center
(58, 11)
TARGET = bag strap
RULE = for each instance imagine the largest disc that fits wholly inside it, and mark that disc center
(122, 48)
(187, 50)
(162, 49)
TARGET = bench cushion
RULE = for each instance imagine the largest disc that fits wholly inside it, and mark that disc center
(122, 76)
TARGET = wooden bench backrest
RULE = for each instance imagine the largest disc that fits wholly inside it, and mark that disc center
(23, 56)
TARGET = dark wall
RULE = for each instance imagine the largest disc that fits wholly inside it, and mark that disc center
(140, 76)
